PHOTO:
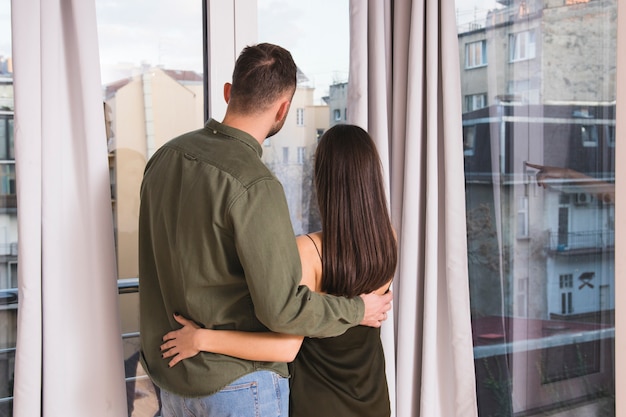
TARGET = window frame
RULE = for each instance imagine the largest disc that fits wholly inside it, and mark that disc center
(471, 54)
(523, 41)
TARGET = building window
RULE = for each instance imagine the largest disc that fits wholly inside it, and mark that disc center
(522, 218)
(7, 149)
(345, 114)
(610, 136)
(469, 138)
(12, 268)
(300, 117)
(475, 101)
(337, 115)
(285, 155)
(318, 135)
(301, 154)
(566, 281)
(476, 54)
(589, 136)
(522, 45)
(518, 88)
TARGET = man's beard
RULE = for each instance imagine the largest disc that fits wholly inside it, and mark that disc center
(276, 127)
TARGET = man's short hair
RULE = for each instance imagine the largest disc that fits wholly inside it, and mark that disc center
(262, 74)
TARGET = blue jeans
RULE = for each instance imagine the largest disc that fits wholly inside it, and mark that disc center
(259, 394)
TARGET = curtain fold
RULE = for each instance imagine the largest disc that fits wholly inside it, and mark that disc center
(69, 358)
(404, 88)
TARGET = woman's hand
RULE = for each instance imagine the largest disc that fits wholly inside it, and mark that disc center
(180, 344)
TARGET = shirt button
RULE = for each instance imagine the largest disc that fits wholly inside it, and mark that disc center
(215, 132)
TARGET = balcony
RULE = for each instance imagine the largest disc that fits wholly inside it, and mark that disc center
(576, 243)
(141, 393)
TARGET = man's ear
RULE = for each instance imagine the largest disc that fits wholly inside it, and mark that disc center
(227, 87)
(283, 110)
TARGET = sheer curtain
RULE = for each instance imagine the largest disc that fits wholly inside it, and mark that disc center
(69, 353)
(404, 88)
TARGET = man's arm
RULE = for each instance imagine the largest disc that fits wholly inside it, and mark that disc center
(268, 253)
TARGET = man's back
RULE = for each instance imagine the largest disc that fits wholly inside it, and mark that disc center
(197, 201)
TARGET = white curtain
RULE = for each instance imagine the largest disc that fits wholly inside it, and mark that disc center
(69, 353)
(404, 88)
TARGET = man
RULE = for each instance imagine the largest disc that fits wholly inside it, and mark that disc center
(216, 245)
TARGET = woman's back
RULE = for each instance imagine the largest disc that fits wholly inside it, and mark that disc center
(339, 376)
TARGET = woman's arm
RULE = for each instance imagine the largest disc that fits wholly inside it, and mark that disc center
(189, 340)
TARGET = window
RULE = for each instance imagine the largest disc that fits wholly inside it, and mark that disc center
(8, 218)
(522, 218)
(610, 136)
(7, 151)
(318, 134)
(589, 136)
(522, 45)
(469, 138)
(301, 154)
(476, 54)
(541, 255)
(566, 281)
(158, 78)
(320, 98)
(518, 88)
(475, 101)
(300, 117)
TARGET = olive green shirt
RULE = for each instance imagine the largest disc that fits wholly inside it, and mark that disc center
(216, 245)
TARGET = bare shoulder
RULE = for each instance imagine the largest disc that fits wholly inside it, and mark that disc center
(306, 241)
(310, 259)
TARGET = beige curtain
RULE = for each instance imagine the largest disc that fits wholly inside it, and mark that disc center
(404, 87)
(69, 352)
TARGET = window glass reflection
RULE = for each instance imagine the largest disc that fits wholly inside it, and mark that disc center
(152, 92)
(540, 181)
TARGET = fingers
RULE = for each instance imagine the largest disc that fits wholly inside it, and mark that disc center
(169, 353)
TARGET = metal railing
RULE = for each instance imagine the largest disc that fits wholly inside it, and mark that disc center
(593, 240)
(9, 299)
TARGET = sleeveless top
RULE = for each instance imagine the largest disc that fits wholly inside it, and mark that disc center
(340, 376)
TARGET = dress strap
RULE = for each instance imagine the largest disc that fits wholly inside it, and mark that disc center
(314, 244)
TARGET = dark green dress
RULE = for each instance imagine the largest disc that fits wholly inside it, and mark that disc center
(340, 376)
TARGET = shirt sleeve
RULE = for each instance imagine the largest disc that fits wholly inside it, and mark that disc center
(267, 249)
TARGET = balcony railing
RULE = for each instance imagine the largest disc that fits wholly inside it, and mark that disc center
(580, 241)
(9, 301)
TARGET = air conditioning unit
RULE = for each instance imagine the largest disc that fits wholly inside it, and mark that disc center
(582, 198)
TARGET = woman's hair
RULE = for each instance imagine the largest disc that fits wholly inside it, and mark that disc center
(359, 246)
(262, 74)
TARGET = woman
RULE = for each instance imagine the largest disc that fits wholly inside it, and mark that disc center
(355, 254)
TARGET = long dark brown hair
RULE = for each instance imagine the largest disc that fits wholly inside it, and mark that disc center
(359, 247)
(262, 74)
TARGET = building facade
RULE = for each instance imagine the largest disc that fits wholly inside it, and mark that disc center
(539, 146)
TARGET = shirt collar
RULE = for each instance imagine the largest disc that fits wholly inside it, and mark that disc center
(247, 139)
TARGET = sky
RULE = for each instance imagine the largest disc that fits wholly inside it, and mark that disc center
(152, 32)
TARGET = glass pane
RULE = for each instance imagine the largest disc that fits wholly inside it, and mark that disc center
(321, 51)
(540, 181)
(153, 91)
(8, 218)
(3, 137)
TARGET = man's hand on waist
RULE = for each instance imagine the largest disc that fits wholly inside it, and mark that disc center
(376, 307)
